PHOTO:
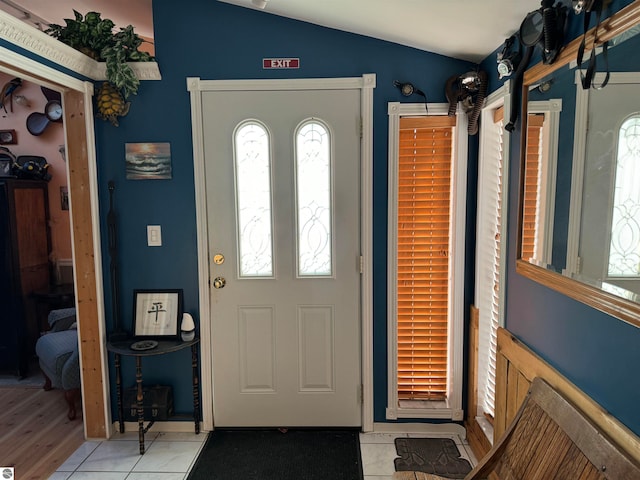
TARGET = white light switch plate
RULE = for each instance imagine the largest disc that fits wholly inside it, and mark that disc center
(154, 236)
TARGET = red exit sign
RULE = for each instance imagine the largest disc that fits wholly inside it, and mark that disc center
(280, 63)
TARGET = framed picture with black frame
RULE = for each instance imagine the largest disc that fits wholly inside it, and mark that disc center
(157, 313)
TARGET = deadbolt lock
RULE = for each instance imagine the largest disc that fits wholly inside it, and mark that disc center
(218, 259)
(219, 282)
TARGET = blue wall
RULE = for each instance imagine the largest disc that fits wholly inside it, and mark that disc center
(218, 41)
(213, 40)
(595, 351)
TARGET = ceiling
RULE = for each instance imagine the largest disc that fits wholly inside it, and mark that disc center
(463, 29)
(122, 12)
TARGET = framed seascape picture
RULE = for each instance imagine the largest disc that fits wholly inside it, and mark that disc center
(156, 313)
(148, 161)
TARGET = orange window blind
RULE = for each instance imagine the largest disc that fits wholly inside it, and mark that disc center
(424, 197)
(531, 186)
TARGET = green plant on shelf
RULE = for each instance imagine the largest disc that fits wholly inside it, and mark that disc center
(95, 37)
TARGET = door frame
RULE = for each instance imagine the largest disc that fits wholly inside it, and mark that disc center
(85, 230)
(366, 84)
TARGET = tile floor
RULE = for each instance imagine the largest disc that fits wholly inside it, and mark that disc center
(378, 452)
(170, 456)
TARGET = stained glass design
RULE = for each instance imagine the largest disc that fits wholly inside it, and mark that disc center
(313, 192)
(253, 200)
(624, 252)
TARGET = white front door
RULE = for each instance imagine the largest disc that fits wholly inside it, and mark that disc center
(283, 214)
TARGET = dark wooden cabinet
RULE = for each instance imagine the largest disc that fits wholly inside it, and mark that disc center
(25, 244)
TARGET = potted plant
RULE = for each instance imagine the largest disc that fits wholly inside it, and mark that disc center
(95, 37)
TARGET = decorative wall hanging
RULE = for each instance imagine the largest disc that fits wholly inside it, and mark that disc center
(148, 161)
(408, 89)
(37, 122)
(6, 94)
(156, 313)
(8, 137)
(470, 89)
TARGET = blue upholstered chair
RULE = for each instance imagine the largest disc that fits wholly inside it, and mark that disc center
(57, 352)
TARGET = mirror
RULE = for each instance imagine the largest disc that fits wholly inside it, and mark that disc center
(579, 230)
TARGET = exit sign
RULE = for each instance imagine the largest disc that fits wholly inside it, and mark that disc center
(282, 63)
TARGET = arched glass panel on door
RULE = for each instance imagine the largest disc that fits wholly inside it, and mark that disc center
(314, 200)
(252, 160)
(624, 251)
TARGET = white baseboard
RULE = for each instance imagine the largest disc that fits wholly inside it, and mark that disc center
(426, 428)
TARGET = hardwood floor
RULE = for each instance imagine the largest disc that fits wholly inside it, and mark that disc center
(36, 436)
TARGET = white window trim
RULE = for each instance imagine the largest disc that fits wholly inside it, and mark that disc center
(452, 407)
(548, 166)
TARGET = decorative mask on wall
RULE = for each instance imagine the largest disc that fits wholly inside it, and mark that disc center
(543, 28)
(470, 89)
(510, 56)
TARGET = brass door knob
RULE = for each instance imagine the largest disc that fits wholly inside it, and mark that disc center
(219, 282)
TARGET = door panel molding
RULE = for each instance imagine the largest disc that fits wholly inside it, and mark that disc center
(366, 83)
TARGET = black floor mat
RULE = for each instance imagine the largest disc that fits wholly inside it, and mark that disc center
(438, 456)
(271, 454)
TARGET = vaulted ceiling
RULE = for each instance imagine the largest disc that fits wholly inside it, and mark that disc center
(464, 29)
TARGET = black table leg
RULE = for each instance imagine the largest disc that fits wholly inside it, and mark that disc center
(119, 392)
(196, 388)
(139, 404)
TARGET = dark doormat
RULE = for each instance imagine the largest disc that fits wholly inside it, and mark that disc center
(438, 456)
(271, 454)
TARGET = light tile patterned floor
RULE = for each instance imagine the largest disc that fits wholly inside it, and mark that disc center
(170, 456)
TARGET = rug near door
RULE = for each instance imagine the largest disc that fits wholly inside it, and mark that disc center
(438, 456)
(282, 455)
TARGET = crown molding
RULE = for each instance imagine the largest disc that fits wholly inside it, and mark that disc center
(143, 70)
(33, 40)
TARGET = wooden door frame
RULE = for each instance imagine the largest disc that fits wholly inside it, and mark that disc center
(85, 234)
(366, 84)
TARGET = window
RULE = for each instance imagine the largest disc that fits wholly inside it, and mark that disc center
(489, 256)
(424, 191)
(313, 202)
(253, 200)
(532, 184)
(543, 125)
(425, 302)
(624, 251)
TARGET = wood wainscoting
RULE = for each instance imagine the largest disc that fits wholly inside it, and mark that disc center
(476, 437)
(516, 368)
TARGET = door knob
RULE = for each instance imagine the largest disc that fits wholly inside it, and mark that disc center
(219, 282)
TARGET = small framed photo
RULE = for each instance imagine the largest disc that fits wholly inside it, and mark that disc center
(148, 161)
(157, 313)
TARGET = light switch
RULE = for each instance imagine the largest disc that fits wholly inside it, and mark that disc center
(154, 236)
